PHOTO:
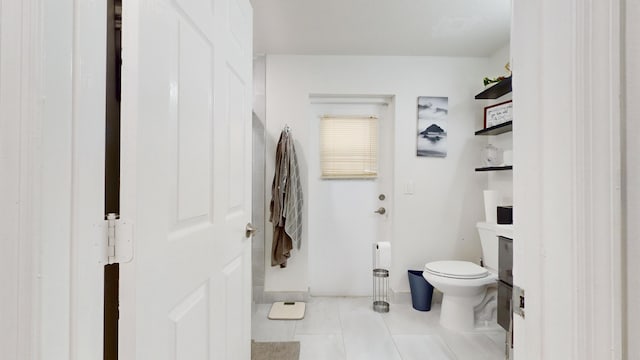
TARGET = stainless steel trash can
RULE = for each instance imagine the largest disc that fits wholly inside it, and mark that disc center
(381, 290)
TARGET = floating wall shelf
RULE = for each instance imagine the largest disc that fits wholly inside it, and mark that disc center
(497, 90)
(495, 168)
(496, 130)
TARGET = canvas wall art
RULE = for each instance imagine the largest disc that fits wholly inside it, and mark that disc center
(432, 126)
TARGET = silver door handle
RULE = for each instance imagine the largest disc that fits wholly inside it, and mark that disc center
(249, 230)
(381, 211)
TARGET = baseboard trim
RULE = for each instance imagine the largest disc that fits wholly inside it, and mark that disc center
(404, 297)
(273, 296)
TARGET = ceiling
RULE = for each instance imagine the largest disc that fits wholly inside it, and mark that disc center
(381, 27)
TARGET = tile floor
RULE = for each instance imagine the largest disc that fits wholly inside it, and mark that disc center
(345, 328)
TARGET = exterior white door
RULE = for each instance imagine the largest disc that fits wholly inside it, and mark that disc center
(343, 224)
(185, 186)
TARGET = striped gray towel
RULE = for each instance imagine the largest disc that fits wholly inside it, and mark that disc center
(293, 196)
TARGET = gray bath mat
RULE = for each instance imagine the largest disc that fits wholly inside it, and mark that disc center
(289, 350)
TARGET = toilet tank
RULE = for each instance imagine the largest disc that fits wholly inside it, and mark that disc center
(489, 242)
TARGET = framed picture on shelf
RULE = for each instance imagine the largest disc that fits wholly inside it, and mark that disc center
(498, 113)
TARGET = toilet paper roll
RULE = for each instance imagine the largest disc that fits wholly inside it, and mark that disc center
(490, 206)
(382, 255)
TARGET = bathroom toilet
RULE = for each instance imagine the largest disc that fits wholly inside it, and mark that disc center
(464, 284)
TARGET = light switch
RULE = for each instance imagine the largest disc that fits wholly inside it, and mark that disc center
(408, 188)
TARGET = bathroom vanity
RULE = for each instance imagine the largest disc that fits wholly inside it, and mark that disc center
(505, 282)
(505, 285)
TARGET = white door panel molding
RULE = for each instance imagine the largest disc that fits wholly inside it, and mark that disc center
(566, 93)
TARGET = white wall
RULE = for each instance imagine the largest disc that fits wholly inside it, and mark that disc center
(501, 181)
(498, 60)
(438, 220)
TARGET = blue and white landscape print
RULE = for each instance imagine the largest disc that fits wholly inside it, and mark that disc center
(432, 126)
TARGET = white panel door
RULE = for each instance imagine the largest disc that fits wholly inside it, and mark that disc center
(186, 172)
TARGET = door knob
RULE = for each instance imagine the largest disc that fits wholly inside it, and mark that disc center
(381, 211)
(249, 230)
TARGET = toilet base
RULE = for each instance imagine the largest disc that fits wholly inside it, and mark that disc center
(457, 312)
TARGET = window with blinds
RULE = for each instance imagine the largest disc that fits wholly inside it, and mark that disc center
(349, 147)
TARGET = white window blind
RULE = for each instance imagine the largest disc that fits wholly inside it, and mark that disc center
(349, 147)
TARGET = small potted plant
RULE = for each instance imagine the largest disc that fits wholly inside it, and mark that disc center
(490, 82)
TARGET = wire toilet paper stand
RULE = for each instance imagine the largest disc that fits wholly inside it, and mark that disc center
(381, 265)
(381, 290)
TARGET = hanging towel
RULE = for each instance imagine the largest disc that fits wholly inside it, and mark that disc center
(293, 197)
(281, 244)
(286, 201)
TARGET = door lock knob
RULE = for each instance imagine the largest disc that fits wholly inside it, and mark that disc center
(249, 230)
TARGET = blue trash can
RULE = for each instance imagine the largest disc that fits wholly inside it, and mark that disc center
(421, 291)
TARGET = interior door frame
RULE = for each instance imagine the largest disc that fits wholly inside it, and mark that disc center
(61, 89)
(19, 126)
(567, 179)
(59, 129)
(631, 176)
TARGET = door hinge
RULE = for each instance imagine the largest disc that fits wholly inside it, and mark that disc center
(518, 301)
(119, 240)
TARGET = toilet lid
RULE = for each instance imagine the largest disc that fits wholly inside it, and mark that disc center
(456, 269)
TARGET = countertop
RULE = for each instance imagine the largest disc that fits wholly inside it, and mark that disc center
(505, 230)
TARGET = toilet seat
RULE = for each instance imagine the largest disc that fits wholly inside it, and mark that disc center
(456, 269)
